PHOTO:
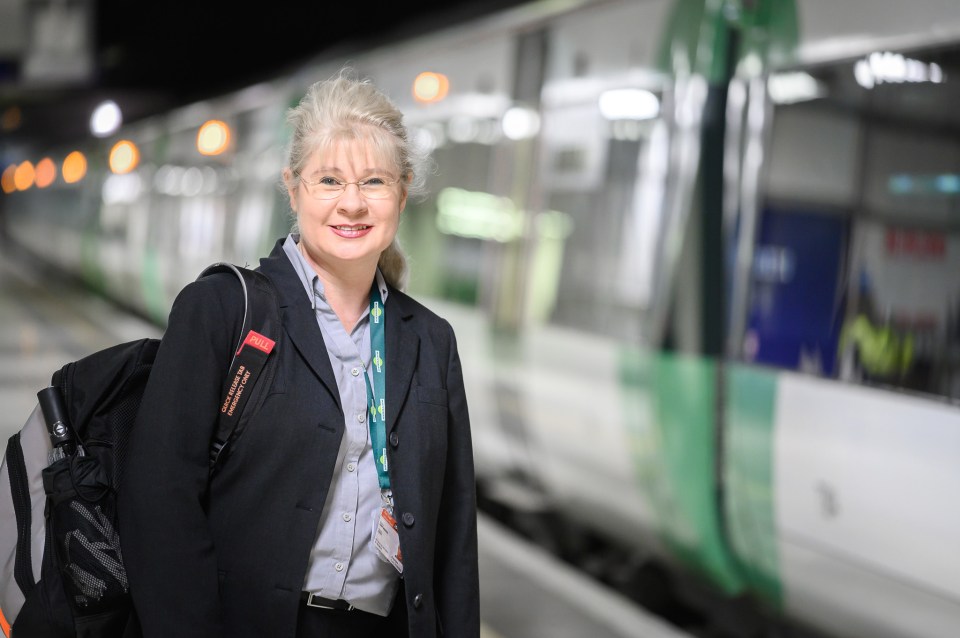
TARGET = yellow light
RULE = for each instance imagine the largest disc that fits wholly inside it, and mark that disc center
(74, 167)
(24, 175)
(430, 87)
(46, 172)
(213, 137)
(124, 157)
(6, 181)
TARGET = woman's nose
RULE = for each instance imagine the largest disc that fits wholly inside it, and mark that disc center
(352, 200)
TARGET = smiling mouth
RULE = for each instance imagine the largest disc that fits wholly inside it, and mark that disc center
(351, 228)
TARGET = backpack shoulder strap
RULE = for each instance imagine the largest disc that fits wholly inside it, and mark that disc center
(251, 369)
(261, 307)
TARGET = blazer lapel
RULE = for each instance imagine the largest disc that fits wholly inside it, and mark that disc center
(301, 324)
(299, 319)
(403, 345)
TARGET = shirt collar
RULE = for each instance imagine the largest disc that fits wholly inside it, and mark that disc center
(312, 284)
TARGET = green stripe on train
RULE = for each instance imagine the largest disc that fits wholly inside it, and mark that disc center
(670, 408)
(697, 35)
(684, 399)
(674, 445)
(748, 475)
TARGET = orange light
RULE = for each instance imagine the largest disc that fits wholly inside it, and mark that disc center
(46, 172)
(74, 167)
(213, 137)
(6, 181)
(430, 87)
(24, 175)
(124, 157)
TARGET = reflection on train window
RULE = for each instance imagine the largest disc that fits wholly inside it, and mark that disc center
(590, 275)
(579, 256)
(794, 318)
(903, 326)
(858, 244)
(442, 233)
(606, 176)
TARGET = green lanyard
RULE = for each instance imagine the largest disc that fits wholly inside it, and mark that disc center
(378, 418)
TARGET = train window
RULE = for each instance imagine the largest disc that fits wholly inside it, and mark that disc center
(602, 169)
(858, 241)
(603, 177)
(447, 257)
(583, 250)
(542, 218)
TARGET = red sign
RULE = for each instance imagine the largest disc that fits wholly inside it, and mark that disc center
(258, 341)
(915, 243)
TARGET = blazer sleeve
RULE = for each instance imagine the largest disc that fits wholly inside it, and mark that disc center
(457, 583)
(165, 539)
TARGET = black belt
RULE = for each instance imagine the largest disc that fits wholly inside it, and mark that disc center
(311, 600)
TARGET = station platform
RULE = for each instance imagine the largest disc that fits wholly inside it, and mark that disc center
(48, 320)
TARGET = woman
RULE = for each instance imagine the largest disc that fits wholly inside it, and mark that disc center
(296, 534)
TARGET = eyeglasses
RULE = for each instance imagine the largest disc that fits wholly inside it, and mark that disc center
(331, 188)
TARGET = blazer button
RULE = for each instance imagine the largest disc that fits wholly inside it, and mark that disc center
(418, 600)
(408, 520)
(394, 439)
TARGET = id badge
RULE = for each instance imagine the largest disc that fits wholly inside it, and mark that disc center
(387, 540)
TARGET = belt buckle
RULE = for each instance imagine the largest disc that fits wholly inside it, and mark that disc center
(310, 603)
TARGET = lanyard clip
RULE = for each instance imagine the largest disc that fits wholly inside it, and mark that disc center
(386, 497)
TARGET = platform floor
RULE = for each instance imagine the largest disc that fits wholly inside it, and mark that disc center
(525, 593)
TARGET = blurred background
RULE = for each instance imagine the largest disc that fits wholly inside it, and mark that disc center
(59, 59)
(701, 257)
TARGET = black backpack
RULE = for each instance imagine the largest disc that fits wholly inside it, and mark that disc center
(64, 518)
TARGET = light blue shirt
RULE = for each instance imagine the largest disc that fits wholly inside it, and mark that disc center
(344, 563)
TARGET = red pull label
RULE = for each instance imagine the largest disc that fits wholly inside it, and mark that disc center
(258, 341)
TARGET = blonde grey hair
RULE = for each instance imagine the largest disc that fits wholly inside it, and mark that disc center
(345, 107)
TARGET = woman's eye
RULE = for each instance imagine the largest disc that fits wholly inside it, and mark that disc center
(329, 181)
(375, 181)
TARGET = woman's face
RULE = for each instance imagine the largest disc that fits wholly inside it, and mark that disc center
(351, 229)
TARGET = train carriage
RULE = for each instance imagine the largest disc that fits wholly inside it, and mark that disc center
(701, 256)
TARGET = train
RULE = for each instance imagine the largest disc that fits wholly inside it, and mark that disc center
(701, 257)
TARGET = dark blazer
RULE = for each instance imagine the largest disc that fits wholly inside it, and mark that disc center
(227, 556)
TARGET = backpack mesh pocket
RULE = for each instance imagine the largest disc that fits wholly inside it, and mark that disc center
(82, 520)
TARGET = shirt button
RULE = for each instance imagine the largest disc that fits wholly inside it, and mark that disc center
(355, 372)
(351, 467)
(362, 417)
(347, 517)
(338, 567)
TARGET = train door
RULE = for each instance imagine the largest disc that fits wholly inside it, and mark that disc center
(590, 266)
